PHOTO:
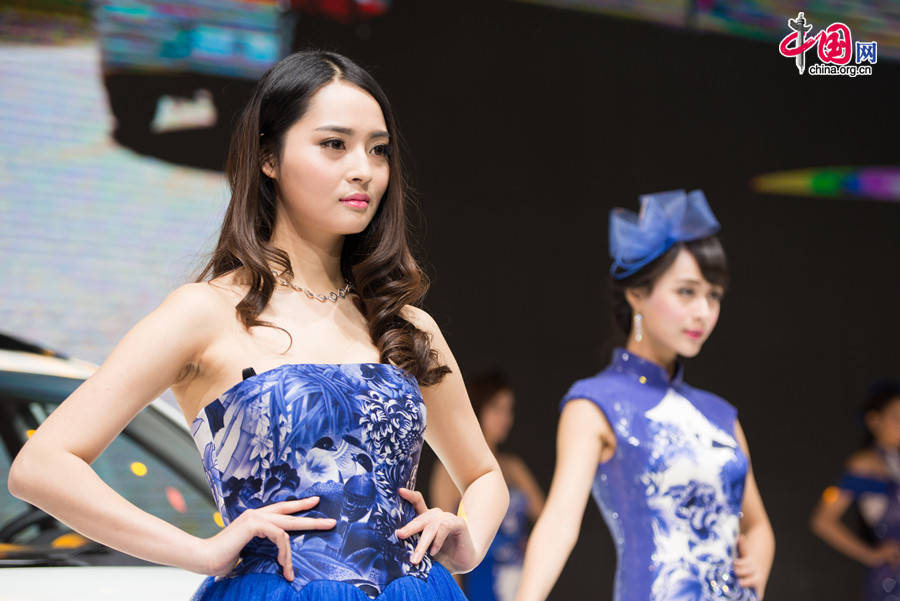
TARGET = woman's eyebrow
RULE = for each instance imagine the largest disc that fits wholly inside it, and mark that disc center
(347, 131)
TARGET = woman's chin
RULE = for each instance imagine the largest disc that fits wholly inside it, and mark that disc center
(690, 349)
(348, 229)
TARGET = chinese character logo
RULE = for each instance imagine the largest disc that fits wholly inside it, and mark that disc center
(801, 44)
(834, 45)
(867, 51)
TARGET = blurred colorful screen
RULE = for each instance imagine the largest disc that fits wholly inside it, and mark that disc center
(763, 19)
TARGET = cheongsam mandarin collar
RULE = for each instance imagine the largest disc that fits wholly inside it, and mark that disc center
(646, 372)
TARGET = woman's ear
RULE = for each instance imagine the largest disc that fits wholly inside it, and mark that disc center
(268, 163)
(635, 298)
(269, 169)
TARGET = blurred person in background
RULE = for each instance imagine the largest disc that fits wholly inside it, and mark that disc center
(668, 463)
(872, 482)
(497, 576)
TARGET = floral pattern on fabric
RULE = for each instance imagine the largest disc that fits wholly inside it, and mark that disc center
(695, 522)
(350, 434)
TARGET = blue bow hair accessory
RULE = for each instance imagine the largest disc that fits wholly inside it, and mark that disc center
(665, 219)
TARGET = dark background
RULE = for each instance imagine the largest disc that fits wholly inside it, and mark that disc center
(526, 125)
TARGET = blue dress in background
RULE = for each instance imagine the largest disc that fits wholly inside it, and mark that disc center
(878, 501)
(350, 434)
(672, 492)
(497, 577)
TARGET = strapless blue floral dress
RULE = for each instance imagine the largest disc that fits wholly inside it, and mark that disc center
(350, 434)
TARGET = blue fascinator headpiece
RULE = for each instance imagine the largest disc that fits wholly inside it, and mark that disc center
(665, 219)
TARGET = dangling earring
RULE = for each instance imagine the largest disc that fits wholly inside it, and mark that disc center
(638, 329)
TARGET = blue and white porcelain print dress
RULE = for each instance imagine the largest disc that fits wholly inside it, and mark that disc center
(350, 434)
(672, 492)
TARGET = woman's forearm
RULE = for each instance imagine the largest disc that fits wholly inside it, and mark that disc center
(579, 445)
(67, 488)
(759, 544)
(836, 534)
(549, 546)
(484, 504)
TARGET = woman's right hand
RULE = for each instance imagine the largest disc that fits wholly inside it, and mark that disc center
(886, 553)
(220, 552)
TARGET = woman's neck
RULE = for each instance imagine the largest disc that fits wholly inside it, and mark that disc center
(647, 350)
(315, 260)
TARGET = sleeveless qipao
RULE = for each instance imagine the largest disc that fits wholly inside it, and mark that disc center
(671, 494)
(350, 434)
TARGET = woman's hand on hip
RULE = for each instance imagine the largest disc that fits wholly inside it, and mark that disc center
(445, 533)
(272, 522)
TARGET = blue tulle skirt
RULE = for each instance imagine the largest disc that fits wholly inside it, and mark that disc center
(273, 587)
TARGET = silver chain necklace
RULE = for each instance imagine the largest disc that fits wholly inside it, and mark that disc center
(331, 296)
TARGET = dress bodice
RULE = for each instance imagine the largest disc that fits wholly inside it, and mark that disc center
(350, 434)
(672, 492)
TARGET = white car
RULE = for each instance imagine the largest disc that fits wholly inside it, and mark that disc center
(153, 463)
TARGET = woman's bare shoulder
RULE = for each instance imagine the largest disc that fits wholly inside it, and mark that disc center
(420, 318)
(203, 307)
(866, 462)
(232, 284)
(197, 298)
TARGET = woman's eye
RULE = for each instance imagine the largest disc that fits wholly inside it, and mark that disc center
(686, 291)
(716, 296)
(333, 143)
(382, 150)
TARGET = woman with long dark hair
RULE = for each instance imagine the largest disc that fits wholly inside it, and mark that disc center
(668, 463)
(872, 482)
(304, 368)
(497, 576)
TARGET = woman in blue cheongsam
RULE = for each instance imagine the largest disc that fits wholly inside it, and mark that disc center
(667, 463)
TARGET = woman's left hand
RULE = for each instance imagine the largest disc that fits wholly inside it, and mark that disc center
(446, 533)
(748, 572)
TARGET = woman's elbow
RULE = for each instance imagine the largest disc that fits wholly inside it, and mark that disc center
(817, 523)
(27, 470)
(502, 488)
(504, 496)
(20, 475)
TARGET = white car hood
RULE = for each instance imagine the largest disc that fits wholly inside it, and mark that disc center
(126, 583)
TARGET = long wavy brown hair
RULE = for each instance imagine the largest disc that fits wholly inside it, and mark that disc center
(377, 262)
